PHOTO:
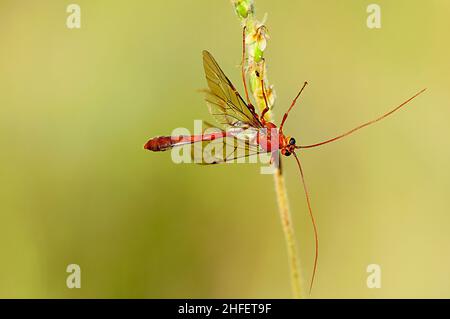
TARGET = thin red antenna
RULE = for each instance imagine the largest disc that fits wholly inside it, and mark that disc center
(292, 105)
(363, 125)
(316, 236)
(243, 66)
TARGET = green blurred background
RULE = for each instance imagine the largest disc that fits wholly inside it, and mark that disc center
(76, 107)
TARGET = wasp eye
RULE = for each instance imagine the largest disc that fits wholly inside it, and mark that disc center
(287, 153)
(292, 141)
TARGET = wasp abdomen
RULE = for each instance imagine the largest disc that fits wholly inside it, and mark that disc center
(158, 144)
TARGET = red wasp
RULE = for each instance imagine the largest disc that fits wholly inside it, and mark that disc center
(231, 111)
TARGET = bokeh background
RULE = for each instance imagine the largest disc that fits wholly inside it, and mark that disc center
(76, 107)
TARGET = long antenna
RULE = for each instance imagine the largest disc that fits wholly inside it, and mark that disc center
(316, 236)
(363, 125)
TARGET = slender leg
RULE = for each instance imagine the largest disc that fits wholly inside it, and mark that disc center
(243, 66)
(266, 109)
(263, 89)
(244, 81)
(292, 105)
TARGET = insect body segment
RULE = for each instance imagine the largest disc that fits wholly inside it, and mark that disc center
(164, 143)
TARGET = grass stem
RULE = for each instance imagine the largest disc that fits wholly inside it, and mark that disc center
(256, 43)
(289, 234)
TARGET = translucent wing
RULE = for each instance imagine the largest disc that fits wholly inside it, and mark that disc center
(239, 146)
(226, 150)
(223, 100)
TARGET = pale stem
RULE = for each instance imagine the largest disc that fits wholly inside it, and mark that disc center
(286, 222)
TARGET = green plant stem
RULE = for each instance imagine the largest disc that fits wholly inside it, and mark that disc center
(286, 222)
(255, 47)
